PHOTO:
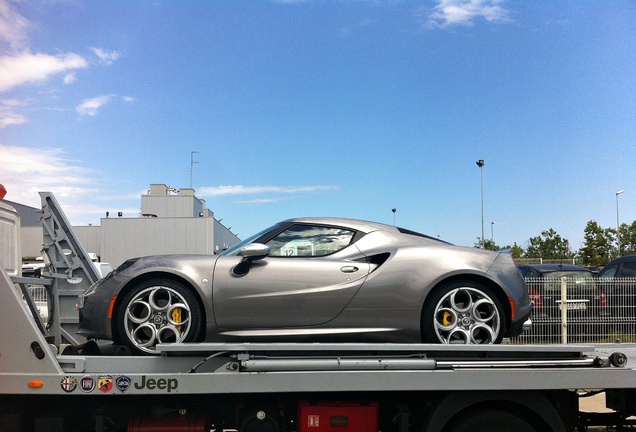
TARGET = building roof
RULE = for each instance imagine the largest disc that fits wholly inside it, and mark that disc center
(29, 216)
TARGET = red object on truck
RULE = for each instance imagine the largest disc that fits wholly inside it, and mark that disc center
(337, 417)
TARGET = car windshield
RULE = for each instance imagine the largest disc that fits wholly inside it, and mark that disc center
(569, 274)
(608, 271)
(582, 280)
(234, 250)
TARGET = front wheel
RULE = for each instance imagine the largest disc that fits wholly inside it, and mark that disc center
(158, 311)
(463, 312)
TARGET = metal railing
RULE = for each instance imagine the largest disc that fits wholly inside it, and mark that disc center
(581, 310)
(545, 261)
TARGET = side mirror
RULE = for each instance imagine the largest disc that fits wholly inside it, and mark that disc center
(250, 252)
(254, 251)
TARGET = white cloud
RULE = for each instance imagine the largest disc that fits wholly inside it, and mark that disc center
(465, 12)
(27, 171)
(70, 78)
(20, 66)
(27, 68)
(106, 58)
(91, 106)
(213, 191)
(8, 116)
(13, 27)
(261, 201)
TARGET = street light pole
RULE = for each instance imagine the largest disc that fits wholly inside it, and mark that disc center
(618, 227)
(492, 232)
(480, 164)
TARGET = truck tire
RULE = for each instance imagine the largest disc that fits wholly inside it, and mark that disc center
(463, 312)
(490, 420)
(155, 311)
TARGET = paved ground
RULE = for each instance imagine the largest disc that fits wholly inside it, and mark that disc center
(597, 403)
(594, 404)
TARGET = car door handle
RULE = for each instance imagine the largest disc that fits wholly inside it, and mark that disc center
(349, 269)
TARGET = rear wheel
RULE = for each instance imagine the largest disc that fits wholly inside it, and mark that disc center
(490, 420)
(463, 312)
(158, 311)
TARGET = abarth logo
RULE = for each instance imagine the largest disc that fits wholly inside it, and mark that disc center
(105, 383)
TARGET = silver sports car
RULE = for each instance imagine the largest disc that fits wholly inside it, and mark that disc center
(312, 279)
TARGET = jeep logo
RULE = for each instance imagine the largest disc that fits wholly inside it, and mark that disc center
(159, 384)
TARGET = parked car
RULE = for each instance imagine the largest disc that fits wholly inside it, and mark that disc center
(312, 279)
(624, 266)
(33, 269)
(618, 279)
(103, 268)
(586, 302)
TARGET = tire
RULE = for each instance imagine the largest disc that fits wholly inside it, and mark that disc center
(490, 420)
(155, 311)
(465, 312)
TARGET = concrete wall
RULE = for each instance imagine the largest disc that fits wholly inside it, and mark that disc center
(31, 239)
(124, 238)
(91, 238)
(180, 224)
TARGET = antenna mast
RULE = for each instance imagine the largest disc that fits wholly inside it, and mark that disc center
(192, 162)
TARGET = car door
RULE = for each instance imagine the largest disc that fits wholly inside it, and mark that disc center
(310, 275)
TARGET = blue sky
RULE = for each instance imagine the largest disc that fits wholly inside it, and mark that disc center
(327, 108)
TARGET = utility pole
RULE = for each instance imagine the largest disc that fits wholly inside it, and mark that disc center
(480, 164)
(192, 162)
(618, 226)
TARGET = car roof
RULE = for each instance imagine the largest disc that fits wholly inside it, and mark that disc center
(626, 258)
(545, 268)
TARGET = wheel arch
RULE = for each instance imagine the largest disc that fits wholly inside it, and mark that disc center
(489, 283)
(131, 284)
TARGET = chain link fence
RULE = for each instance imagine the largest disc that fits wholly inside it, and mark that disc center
(581, 310)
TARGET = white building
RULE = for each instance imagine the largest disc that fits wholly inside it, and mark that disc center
(171, 221)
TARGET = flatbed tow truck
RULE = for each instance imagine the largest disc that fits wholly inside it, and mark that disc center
(51, 380)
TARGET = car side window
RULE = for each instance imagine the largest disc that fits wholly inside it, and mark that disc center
(629, 269)
(310, 241)
(608, 271)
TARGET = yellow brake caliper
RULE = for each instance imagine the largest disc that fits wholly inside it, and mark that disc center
(447, 318)
(176, 316)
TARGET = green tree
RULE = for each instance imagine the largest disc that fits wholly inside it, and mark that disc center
(517, 251)
(490, 245)
(628, 238)
(549, 245)
(598, 245)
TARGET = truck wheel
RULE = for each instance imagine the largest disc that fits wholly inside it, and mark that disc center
(463, 312)
(156, 311)
(490, 420)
